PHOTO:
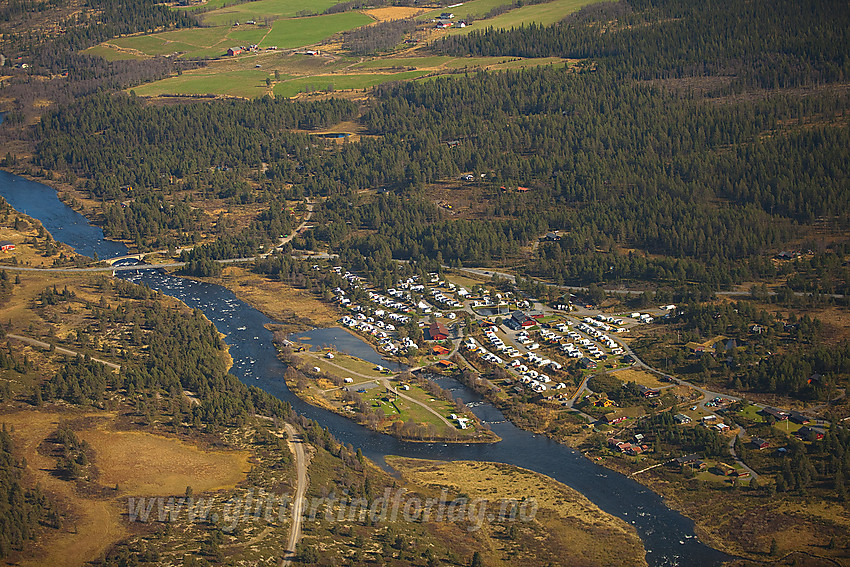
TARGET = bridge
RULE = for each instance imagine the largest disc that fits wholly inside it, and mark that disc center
(113, 261)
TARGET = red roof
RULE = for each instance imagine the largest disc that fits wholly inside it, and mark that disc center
(438, 332)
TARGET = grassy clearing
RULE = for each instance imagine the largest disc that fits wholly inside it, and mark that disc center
(97, 522)
(263, 10)
(544, 14)
(638, 377)
(168, 465)
(299, 32)
(567, 529)
(392, 13)
(247, 83)
(110, 53)
(339, 82)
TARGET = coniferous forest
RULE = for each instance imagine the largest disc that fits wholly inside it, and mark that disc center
(689, 144)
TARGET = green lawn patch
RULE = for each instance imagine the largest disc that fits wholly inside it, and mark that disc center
(249, 83)
(263, 10)
(339, 82)
(544, 14)
(298, 32)
(109, 53)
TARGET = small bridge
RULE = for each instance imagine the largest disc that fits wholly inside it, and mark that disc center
(113, 261)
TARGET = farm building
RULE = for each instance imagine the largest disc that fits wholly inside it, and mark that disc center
(7, 246)
(234, 51)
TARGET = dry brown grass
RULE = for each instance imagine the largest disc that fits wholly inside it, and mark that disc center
(143, 464)
(638, 377)
(297, 309)
(393, 13)
(140, 463)
(568, 527)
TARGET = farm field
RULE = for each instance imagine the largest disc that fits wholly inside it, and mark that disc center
(263, 10)
(247, 84)
(214, 42)
(339, 82)
(299, 32)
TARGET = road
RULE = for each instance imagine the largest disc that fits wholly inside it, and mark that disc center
(42, 344)
(385, 383)
(296, 445)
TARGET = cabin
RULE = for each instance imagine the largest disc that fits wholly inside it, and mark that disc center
(759, 443)
(615, 417)
(437, 332)
(681, 418)
(521, 320)
(811, 433)
(798, 417)
(693, 461)
(778, 414)
(648, 392)
(7, 246)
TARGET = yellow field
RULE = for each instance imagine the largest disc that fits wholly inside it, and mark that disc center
(141, 463)
(638, 377)
(297, 309)
(567, 526)
(393, 13)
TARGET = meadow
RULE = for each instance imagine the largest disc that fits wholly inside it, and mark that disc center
(263, 10)
(213, 42)
(543, 14)
(246, 75)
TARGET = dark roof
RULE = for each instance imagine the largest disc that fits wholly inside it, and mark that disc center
(692, 458)
(438, 328)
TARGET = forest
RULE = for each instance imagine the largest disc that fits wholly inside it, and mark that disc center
(648, 180)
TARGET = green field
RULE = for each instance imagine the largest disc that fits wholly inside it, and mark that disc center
(544, 14)
(298, 32)
(109, 53)
(263, 10)
(249, 83)
(339, 82)
(214, 42)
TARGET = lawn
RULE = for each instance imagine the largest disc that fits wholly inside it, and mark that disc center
(298, 32)
(213, 42)
(263, 10)
(339, 82)
(248, 83)
(109, 53)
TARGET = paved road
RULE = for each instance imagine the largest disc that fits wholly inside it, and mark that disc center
(61, 350)
(296, 445)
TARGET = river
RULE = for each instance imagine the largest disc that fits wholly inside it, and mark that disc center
(667, 535)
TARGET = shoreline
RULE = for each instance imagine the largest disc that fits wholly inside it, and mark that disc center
(326, 405)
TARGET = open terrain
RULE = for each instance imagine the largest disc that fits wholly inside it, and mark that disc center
(568, 528)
